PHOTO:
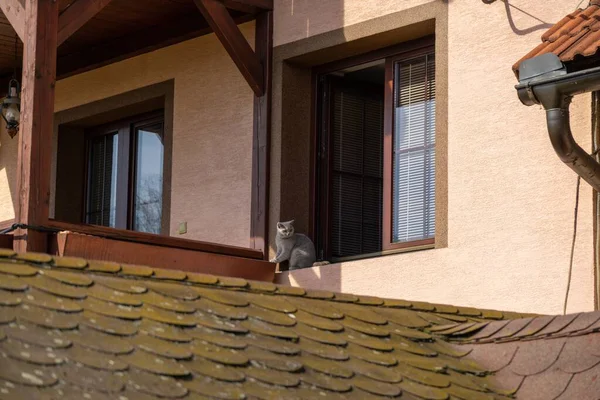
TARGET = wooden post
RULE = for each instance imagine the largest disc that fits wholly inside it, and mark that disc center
(37, 115)
(261, 143)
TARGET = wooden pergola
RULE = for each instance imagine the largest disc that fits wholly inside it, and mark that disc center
(44, 25)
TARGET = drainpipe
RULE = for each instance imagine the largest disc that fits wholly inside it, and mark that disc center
(544, 80)
(595, 149)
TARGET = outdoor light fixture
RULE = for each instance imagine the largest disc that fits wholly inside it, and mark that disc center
(11, 108)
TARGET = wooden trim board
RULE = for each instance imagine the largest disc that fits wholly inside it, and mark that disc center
(97, 248)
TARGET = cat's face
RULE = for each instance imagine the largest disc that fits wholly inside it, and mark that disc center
(285, 229)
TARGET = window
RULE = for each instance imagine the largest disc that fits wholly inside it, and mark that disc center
(413, 151)
(125, 174)
(376, 155)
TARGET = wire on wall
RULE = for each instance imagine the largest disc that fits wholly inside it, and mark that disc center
(576, 213)
(572, 244)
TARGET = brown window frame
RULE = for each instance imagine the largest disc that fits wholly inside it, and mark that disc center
(388, 150)
(126, 129)
(320, 221)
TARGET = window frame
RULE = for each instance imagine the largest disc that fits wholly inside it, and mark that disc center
(126, 167)
(388, 152)
(319, 222)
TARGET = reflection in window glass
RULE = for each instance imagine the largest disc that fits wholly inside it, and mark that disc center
(148, 179)
(102, 200)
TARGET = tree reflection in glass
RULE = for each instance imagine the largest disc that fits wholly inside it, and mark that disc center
(148, 179)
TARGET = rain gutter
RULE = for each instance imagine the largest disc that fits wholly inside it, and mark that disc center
(544, 80)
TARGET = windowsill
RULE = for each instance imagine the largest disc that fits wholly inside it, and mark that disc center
(428, 246)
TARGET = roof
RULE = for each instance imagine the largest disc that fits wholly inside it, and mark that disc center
(74, 329)
(121, 29)
(576, 35)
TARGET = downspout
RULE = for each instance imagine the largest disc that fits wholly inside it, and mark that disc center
(595, 149)
(544, 80)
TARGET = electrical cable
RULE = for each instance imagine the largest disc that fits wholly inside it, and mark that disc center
(572, 245)
(16, 226)
(576, 212)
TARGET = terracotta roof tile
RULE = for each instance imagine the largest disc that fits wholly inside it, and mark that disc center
(576, 35)
(75, 329)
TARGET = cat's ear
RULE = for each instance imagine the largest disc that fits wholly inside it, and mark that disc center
(292, 222)
(279, 225)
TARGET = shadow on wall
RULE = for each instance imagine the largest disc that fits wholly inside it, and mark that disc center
(8, 173)
(509, 10)
(300, 19)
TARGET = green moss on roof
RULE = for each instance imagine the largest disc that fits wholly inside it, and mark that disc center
(76, 329)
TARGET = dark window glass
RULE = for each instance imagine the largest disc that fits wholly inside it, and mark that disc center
(148, 179)
(125, 175)
(356, 189)
(102, 199)
(376, 156)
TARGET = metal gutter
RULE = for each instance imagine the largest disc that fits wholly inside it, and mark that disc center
(544, 80)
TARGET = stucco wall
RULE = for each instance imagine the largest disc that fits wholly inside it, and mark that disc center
(510, 199)
(295, 20)
(8, 173)
(212, 133)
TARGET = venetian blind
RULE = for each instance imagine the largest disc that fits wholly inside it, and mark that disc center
(414, 150)
(356, 191)
(102, 181)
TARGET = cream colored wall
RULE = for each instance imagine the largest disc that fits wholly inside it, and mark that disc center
(510, 199)
(295, 20)
(212, 130)
(8, 173)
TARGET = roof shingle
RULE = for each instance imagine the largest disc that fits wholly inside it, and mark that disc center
(72, 329)
(577, 34)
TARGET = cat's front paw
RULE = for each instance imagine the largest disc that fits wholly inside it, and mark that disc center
(273, 260)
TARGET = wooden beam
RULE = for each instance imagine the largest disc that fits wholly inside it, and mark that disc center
(15, 13)
(36, 129)
(96, 248)
(265, 5)
(77, 15)
(261, 143)
(235, 5)
(144, 41)
(6, 224)
(234, 42)
(156, 240)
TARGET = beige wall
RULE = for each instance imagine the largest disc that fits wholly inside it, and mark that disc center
(8, 173)
(295, 20)
(510, 199)
(212, 133)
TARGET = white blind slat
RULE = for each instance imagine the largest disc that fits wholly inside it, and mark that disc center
(413, 215)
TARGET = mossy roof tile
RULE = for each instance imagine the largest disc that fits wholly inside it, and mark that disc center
(105, 330)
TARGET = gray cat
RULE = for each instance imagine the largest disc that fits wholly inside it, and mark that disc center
(296, 247)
